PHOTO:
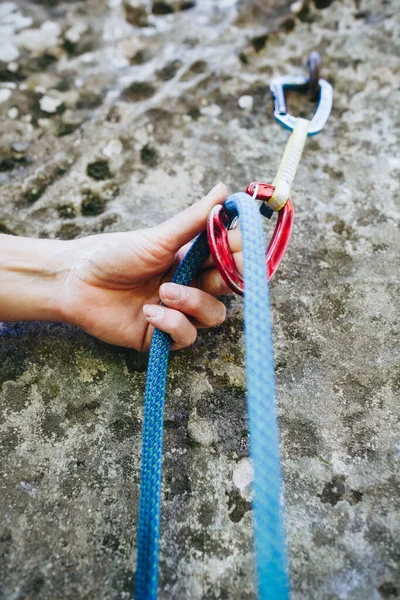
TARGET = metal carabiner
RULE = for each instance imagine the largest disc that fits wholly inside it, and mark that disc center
(303, 85)
(220, 221)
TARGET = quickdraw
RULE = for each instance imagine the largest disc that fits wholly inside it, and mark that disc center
(275, 197)
(258, 266)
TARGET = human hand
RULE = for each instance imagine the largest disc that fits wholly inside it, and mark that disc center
(115, 283)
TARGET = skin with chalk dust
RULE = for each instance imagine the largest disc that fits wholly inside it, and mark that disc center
(115, 116)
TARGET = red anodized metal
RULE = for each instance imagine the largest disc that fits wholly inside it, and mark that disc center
(218, 224)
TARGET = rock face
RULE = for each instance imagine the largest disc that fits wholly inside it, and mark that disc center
(144, 117)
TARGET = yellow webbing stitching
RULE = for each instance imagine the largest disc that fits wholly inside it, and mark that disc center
(289, 163)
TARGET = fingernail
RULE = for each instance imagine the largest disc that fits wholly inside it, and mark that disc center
(153, 312)
(215, 190)
(171, 291)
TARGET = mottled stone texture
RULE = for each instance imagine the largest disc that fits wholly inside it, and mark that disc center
(115, 117)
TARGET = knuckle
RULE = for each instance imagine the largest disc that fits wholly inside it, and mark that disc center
(192, 336)
(219, 315)
(222, 314)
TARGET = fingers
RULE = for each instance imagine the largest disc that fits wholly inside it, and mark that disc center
(184, 226)
(181, 330)
(205, 309)
(183, 302)
(211, 282)
(235, 244)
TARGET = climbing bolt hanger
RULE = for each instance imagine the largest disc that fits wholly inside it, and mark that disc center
(258, 266)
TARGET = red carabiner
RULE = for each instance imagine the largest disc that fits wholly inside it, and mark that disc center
(218, 224)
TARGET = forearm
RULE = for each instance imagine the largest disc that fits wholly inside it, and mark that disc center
(31, 272)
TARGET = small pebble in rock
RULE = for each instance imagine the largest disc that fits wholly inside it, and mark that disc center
(13, 112)
(12, 19)
(296, 7)
(113, 148)
(8, 52)
(73, 34)
(44, 123)
(20, 146)
(4, 95)
(246, 101)
(131, 46)
(212, 110)
(39, 40)
(49, 105)
(202, 431)
(243, 474)
(141, 136)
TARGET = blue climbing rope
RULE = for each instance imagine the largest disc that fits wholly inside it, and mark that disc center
(269, 538)
(146, 580)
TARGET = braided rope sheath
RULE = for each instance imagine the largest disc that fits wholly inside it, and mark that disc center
(146, 580)
(264, 443)
(269, 535)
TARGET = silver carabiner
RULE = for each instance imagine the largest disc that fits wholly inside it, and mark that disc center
(301, 84)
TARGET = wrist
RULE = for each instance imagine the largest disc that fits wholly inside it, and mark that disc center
(31, 276)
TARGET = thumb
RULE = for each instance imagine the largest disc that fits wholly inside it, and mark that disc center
(184, 226)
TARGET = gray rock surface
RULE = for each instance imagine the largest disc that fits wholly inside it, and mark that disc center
(144, 119)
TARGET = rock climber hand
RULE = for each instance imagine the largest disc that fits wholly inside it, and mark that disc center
(116, 282)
